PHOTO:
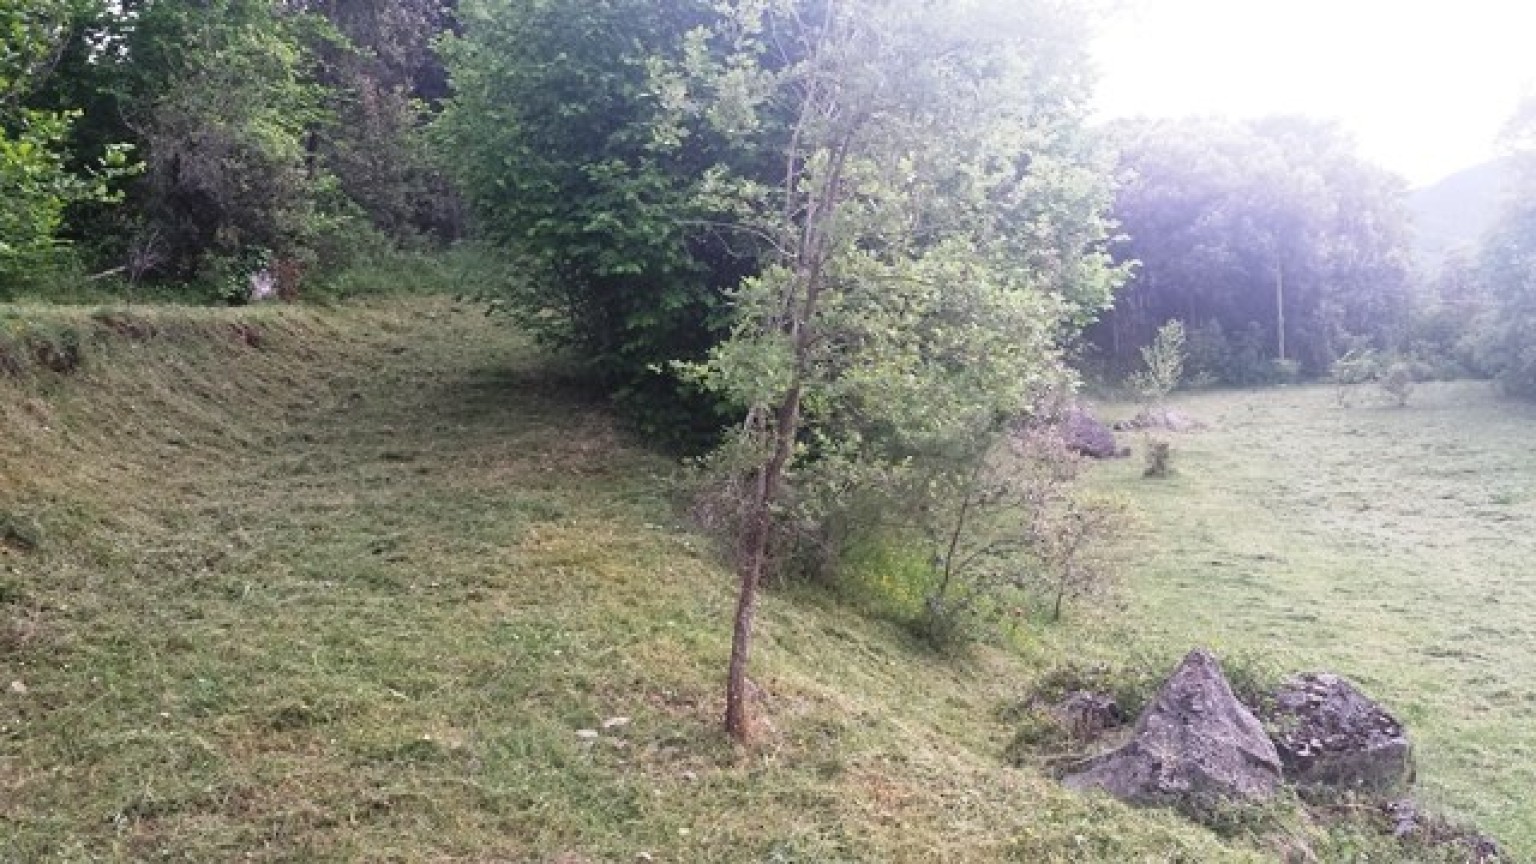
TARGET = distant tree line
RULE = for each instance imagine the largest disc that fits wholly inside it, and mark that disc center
(1286, 256)
(1278, 248)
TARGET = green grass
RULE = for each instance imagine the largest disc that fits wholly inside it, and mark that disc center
(344, 585)
(350, 595)
(1392, 545)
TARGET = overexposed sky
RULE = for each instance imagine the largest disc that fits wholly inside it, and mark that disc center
(1425, 85)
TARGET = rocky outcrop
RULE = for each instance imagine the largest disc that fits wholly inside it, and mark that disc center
(1331, 737)
(1194, 747)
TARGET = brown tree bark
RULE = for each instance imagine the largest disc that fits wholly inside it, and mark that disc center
(738, 718)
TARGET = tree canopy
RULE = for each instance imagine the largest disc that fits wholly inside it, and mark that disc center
(259, 129)
(1506, 268)
(39, 179)
(555, 133)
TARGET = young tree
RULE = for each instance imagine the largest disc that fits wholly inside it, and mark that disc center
(934, 229)
(1019, 531)
(1162, 365)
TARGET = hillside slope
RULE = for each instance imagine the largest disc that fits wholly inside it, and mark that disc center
(1454, 214)
(361, 584)
(351, 594)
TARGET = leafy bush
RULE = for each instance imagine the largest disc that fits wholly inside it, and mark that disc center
(1285, 371)
(1248, 362)
(556, 136)
(1398, 382)
(40, 178)
(1018, 534)
(1442, 339)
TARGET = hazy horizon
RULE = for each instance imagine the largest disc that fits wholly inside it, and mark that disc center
(1425, 87)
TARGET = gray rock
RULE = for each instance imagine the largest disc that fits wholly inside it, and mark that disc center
(1405, 817)
(1161, 418)
(263, 286)
(1084, 434)
(1332, 737)
(1194, 747)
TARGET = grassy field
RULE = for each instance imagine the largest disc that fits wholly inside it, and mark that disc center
(381, 583)
(1396, 546)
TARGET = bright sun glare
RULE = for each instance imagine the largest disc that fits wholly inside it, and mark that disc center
(1425, 85)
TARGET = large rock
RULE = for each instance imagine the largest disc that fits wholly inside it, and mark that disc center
(1332, 737)
(1084, 434)
(1194, 747)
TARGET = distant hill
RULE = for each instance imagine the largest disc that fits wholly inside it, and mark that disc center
(1455, 212)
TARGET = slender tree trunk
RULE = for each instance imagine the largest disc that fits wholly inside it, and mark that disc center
(1068, 579)
(770, 477)
(738, 721)
(1280, 307)
(960, 524)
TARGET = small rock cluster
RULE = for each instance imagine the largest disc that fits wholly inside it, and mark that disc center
(1086, 435)
(1409, 822)
(1160, 418)
(1197, 745)
(1086, 715)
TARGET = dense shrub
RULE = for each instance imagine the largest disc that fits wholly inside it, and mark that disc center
(552, 133)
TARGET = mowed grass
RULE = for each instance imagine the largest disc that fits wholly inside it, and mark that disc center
(1396, 546)
(345, 585)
